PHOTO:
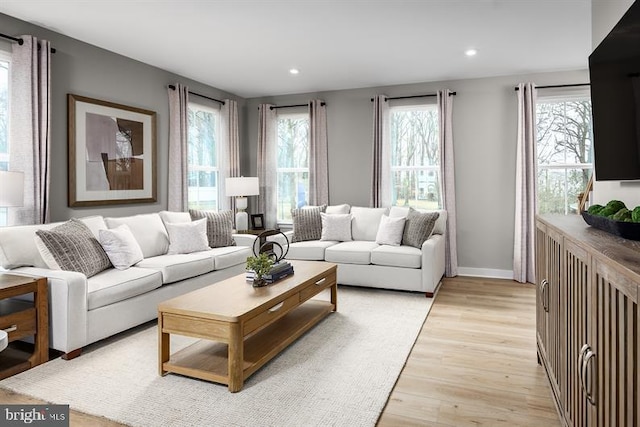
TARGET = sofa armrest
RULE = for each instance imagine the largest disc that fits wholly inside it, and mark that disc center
(67, 306)
(244, 239)
(433, 262)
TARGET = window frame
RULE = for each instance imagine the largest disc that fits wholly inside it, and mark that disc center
(195, 204)
(562, 95)
(412, 105)
(304, 114)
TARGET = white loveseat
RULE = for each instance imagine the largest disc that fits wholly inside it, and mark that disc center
(363, 262)
(83, 311)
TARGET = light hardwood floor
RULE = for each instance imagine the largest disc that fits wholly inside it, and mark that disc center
(474, 364)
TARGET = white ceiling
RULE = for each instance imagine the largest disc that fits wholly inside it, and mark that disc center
(246, 47)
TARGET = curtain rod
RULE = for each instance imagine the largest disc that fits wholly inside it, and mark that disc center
(21, 42)
(552, 86)
(201, 96)
(291, 106)
(429, 95)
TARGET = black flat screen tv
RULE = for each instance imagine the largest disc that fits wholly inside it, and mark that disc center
(614, 69)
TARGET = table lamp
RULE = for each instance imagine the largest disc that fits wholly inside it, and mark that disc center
(240, 188)
(11, 189)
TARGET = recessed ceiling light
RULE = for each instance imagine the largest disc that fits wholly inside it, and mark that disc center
(470, 52)
(294, 71)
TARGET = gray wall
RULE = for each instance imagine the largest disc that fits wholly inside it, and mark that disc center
(484, 130)
(604, 15)
(83, 69)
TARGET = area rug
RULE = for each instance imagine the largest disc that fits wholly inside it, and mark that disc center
(340, 373)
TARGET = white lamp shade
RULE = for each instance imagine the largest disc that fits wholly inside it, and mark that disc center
(11, 189)
(242, 186)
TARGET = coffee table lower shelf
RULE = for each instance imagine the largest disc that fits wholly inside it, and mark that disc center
(209, 360)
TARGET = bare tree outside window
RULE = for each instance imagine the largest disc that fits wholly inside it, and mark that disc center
(202, 157)
(415, 156)
(565, 152)
(293, 164)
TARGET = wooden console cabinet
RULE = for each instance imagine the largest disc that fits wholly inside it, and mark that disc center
(588, 330)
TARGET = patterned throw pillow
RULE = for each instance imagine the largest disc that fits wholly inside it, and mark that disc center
(418, 227)
(73, 247)
(307, 223)
(219, 227)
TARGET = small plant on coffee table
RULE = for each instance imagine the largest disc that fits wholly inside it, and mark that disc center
(261, 265)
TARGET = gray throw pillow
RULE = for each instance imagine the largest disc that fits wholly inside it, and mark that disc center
(307, 223)
(418, 227)
(219, 227)
(74, 248)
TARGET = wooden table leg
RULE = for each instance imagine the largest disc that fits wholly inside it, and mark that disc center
(334, 296)
(236, 358)
(164, 344)
(41, 350)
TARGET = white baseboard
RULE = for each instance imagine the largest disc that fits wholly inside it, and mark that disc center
(485, 272)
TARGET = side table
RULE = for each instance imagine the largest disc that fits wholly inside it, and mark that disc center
(22, 319)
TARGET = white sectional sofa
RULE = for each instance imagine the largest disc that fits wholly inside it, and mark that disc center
(363, 262)
(85, 310)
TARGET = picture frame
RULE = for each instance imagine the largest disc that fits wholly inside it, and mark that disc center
(112, 151)
(257, 222)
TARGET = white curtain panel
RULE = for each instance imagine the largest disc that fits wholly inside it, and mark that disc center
(30, 135)
(318, 154)
(381, 185)
(178, 163)
(447, 179)
(229, 152)
(267, 164)
(524, 233)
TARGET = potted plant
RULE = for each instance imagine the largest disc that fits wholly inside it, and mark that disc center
(261, 265)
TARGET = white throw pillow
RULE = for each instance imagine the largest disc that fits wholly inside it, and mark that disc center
(390, 231)
(121, 246)
(336, 227)
(187, 237)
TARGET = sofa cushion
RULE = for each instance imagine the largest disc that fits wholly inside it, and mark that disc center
(174, 217)
(336, 227)
(18, 246)
(338, 209)
(229, 256)
(418, 227)
(187, 237)
(121, 247)
(112, 285)
(390, 231)
(219, 227)
(441, 223)
(357, 252)
(177, 267)
(312, 250)
(307, 223)
(397, 256)
(148, 230)
(365, 222)
(71, 246)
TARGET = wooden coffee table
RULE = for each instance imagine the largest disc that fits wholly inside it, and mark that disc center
(242, 327)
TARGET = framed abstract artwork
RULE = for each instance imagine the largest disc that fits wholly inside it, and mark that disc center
(112, 153)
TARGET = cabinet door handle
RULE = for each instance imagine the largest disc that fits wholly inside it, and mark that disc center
(543, 294)
(591, 382)
(276, 307)
(11, 328)
(321, 281)
(580, 365)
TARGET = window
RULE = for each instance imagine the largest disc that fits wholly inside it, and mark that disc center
(4, 122)
(202, 157)
(293, 164)
(415, 156)
(565, 151)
